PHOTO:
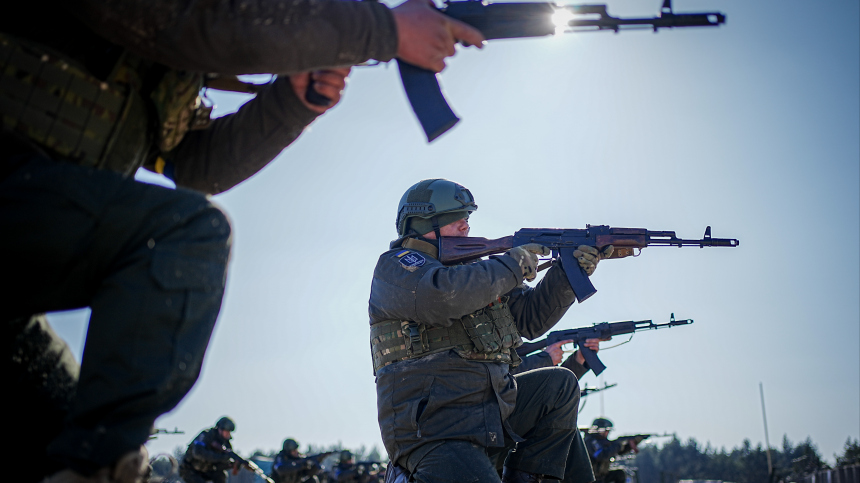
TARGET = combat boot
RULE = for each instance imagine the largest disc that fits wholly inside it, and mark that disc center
(517, 476)
(130, 468)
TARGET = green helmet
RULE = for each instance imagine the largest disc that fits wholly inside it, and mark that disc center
(433, 203)
(226, 423)
(601, 424)
(345, 455)
(290, 444)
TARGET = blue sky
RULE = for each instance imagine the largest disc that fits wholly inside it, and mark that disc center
(752, 128)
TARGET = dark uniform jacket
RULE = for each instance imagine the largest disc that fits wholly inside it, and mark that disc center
(601, 451)
(291, 469)
(207, 454)
(443, 396)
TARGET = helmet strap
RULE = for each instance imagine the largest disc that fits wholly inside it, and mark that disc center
(438, 233)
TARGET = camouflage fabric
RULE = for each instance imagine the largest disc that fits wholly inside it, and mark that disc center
(493, 334)
(69, 112)
(488, 334)
(179, 107)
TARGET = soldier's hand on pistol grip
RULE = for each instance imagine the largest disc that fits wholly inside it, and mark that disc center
(589, 256)
(526, 257)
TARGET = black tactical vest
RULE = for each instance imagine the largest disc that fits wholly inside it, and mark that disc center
(488, 334)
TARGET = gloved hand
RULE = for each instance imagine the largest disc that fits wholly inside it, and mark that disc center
(526, 257)
(589, 256)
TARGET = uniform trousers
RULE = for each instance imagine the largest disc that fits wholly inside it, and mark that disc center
(151, 264)
(544, 415)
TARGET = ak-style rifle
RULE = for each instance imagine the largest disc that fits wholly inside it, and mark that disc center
(603, 330)
(521, 20)
(563, 242)
(587, 391)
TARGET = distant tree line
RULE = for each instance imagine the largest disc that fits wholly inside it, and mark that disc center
(746, 464)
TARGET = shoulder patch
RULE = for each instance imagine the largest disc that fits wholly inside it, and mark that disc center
(410, 260)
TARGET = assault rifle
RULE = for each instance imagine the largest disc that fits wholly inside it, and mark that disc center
(319, 457)
(250, 465)
(564, 241)
(587, 391)
(520, 20)
(603, 330)
(154, 434)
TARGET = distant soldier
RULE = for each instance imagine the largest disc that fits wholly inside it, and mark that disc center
(292, 467)
(208, 456)
(602, 451)
(347, 470)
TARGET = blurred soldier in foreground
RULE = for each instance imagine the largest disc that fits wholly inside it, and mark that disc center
(443, 340)
(90, 91)
(292, 467)
(601, 450)
(207, 457)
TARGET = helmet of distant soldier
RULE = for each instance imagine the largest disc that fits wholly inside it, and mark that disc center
(290, 444)
(345, 455)
(601, 424)
(430, 201)
(225, 424)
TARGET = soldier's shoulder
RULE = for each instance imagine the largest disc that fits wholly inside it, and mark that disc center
(404, 259)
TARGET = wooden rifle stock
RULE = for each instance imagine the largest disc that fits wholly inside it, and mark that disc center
(465, 249)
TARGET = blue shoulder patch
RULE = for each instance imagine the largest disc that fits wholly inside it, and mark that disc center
(411, 260)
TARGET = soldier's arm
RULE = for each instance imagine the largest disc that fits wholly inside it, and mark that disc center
(247, 37)
(201, 450)
(285, 466)
(437, 295)
(538, 309)
(237, 146)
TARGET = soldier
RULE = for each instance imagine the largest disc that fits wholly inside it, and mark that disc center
(601, 451)
(553, 356)
(550, 357)
(208, 456)
(90, 91)
(292, 467)
(442, 341)
(348, 471)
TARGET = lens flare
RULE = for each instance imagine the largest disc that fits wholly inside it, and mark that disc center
(561, 18)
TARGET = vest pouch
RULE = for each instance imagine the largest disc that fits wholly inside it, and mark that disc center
(415, 338)
(492, 328)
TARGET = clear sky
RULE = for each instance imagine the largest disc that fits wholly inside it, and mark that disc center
(752, 128)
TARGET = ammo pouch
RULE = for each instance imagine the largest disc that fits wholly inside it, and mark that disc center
(115, 123)
(486, 335)
(492, 328)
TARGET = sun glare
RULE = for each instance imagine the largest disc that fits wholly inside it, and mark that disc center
(561, 18)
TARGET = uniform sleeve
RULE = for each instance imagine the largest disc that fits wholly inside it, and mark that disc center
(284, 466)
(237, 146)
(534, 361)
(248, 36)
(603, 449)
(436, 295)
(538, 309)
(201, 450)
